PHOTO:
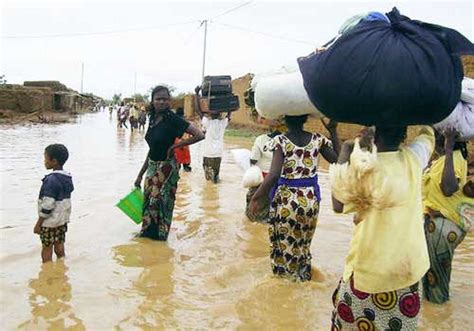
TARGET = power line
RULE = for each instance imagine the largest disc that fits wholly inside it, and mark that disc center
(266, 34)
(83, 34)
(232, 9)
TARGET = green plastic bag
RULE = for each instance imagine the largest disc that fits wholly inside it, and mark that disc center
(132, 205)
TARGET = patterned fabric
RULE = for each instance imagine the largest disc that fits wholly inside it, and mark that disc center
(294, 210)
(50, 236)
(212, 166)
(357, 310)
(262, 215)
(160, 187)
(442, 237)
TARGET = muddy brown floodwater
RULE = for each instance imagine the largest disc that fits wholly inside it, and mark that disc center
(213, 273)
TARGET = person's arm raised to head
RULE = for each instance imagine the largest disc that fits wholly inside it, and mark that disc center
(449, 183)
(197, 105)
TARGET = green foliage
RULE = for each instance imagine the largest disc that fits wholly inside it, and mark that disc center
(3, 80)
(117, 98)
(140, 97)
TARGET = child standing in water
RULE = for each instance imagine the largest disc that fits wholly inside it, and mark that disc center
(54, 203)
(295, 196)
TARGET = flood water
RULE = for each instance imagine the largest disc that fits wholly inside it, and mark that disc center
(213, 273)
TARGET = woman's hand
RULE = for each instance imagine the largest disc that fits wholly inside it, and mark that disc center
(37, 228)
(253, 206)
(138, 181)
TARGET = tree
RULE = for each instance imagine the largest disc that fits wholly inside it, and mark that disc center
(117, 98)
(140, 97)
(3, 81)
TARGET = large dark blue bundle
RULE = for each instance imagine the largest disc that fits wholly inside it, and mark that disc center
(401, 72)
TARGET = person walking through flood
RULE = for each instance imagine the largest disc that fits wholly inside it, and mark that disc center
(388, 256)
(262, 157)
(141, 119)
(446, 208)
(133, 117)
(183, 155)
(295, 196)
(162, 173)
(214, 142)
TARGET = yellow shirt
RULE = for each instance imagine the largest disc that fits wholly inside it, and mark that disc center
(434, 198)
(388, 248)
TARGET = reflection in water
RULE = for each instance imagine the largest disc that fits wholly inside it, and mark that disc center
(50, 300)
(154, 284)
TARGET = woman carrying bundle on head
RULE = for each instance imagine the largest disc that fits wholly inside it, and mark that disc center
(294, 195)
(387, 256)
(449, 205)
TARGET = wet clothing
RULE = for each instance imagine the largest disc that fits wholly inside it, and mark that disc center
(442, 237)
(433, 197)
(50, 236)
(161, 136)
(214, 140)
(54, 202)
(294, 209)
(357, 310)
(212, 166)
(381, 257)
(161, 183)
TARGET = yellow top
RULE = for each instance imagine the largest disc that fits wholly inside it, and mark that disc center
(388, 248)
(434, 198)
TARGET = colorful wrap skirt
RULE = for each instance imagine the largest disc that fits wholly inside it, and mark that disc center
(357, 310)
(161, 183)
(442, 237)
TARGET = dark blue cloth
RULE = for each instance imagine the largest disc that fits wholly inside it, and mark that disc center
(57, 185)
(299, 182)
(396, 73)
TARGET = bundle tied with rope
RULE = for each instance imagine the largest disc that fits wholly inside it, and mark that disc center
(361, 185)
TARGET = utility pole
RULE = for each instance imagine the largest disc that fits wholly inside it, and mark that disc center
(204, 51)
(82, 78)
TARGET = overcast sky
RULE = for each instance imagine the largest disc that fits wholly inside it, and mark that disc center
(161, 42)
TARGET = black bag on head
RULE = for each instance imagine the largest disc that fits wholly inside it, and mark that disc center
(399, 73)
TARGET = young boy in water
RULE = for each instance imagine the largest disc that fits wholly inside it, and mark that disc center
(54, 203)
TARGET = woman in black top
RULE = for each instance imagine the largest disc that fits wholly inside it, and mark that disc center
(162, 172)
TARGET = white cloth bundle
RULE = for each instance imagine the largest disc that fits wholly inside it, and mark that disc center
(282, 93)
(461, 120)
(252, 177)
(242, 158)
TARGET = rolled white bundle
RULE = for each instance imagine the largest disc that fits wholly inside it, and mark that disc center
(461, 119)
(252, 177)
(280, 94)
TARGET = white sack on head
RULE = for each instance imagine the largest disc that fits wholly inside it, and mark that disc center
(242, 158)
(252, 177)
(282, 94)
(467, 90)
(461, 120)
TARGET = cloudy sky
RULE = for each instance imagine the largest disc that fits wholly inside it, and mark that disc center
(129, 46)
